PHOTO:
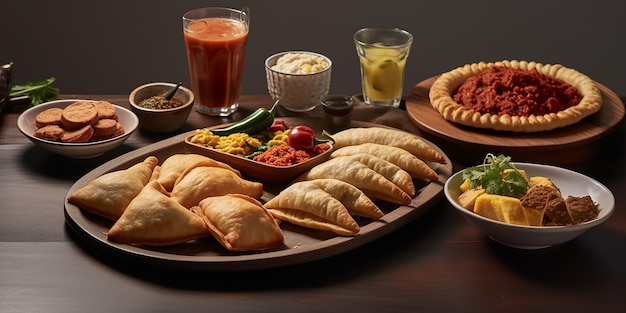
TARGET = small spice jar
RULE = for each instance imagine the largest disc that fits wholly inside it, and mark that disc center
(337, 110)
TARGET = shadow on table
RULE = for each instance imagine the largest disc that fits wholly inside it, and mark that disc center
(57, 166)
(391, 251)
(561, 265)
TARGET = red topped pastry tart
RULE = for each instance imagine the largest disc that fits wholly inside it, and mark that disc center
(517, 96)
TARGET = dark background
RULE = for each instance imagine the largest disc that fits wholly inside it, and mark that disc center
(109, 47)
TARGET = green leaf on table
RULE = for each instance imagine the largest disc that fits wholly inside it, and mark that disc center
(37, 91)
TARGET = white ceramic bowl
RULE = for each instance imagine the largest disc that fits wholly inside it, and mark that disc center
(298, 92)
(26, 124)
(161, 120)
(534, 237)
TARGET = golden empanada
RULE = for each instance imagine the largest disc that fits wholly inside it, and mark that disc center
(240, 223)
(398, 156)
(392, 172)
(308, 205)
(357, 202)
(154, 219)
(176, 164)
(200, 182)
(389, 137)
(110, 194)
(360, 175)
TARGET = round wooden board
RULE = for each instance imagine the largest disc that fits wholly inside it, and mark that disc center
(568, 145)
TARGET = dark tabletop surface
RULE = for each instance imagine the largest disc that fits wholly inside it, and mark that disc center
(436, 263)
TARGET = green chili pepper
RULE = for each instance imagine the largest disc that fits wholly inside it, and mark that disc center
(251, 156)
(256, 122)
(258, 151)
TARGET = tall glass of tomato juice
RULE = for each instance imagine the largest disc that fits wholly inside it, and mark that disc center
(216, 46)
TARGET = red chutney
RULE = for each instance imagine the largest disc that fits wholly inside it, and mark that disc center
(500, 90)
(320, 148)
(286, 155)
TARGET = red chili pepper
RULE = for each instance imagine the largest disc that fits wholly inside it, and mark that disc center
(302, 138)
(278, 125)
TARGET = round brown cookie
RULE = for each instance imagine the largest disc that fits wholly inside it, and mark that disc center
(104, 127)
(79, 114)
(49, 132)
(119, 130)
(105, 109)
(80, 135)
(47, 117)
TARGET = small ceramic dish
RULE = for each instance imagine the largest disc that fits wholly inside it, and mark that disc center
(298, 92)
(161, 120)
(26, 125)
(535, 237)
(262, 172)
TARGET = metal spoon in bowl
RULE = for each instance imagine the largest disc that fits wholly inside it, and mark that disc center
(170, 94)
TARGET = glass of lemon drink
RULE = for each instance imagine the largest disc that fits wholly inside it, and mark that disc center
(383, 53)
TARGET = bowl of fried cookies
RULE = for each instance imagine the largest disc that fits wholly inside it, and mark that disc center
(77, 128)
(537, 206)
(156, 111)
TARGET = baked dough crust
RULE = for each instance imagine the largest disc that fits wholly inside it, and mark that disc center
(442, 90)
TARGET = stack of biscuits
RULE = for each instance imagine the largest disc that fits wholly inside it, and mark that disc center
(81, 121)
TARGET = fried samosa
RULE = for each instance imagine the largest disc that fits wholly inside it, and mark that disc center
(390, 137)
(240, 223)
(360, 175)
(154, 219)
(398, 156)
(110, 194)
(201, 182)
(308, 205)
(174, 166)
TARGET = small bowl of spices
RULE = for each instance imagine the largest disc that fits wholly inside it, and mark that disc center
(161, 107)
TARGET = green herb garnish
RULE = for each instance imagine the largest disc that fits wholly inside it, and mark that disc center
(492, 177)
(37, 91)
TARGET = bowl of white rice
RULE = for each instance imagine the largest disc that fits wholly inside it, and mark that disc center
(299, 79)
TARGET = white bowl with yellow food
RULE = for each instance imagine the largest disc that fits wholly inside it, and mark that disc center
(300, 79)
(510, 223)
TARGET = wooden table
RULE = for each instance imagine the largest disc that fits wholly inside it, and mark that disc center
(437, 263)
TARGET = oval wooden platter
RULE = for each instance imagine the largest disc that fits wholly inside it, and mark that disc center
(567, 145)
(301, 245)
